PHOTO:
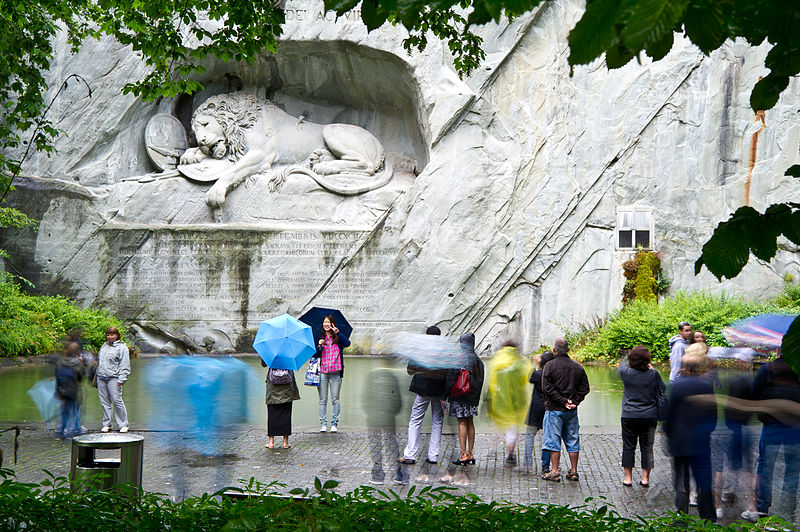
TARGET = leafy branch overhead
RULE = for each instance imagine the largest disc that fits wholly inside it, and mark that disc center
(620, 30)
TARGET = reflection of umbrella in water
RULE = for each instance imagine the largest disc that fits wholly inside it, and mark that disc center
(284, 343)
(763, 332)
(315, 315)
(430, 351)
(43, 394)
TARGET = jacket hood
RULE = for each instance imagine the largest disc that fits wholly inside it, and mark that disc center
(467, 340)
(675, 339)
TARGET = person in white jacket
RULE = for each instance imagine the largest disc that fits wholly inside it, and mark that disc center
(113, 369)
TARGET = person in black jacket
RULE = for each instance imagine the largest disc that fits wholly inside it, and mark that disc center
(535, 419)
(689, 425)
(428, 385)
(466, 407)
(642, 385)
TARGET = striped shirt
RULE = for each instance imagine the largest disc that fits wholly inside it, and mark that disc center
(331, 361)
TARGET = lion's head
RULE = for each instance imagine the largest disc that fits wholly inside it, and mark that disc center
(232, 113)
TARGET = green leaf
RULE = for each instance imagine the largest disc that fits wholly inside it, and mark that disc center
(661, 48)
(767, 91)
(618, 56)
(790, 346)
(705, 24)
(330, 484)
(595, 31)
(372, 16)
(793, 171)
(649, 21)
(728, 249)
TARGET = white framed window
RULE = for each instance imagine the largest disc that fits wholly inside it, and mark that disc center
(635, 227)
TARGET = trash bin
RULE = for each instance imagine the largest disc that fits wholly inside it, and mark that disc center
(88, 471)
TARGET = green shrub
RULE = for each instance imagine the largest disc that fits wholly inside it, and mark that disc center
(35, 325)
(790, 295)
(51, 505)
(652, 324)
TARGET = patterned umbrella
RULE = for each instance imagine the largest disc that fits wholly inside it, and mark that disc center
(430, 351)
(763, 332)
(284, 343)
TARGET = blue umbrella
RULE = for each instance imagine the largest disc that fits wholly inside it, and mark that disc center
(284, 343)
(763, 332)
(43, 395)
(315, 315)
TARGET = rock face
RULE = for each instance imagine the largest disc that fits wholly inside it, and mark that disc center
(502, 215)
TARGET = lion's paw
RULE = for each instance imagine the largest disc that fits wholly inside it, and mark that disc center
(215, 197)
(192, 156)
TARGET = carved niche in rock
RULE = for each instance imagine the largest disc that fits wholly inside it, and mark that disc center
(239, 135)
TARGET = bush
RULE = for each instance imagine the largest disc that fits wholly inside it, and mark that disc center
(51, 505)
(790, 295)
(35, 325)
(652, 324)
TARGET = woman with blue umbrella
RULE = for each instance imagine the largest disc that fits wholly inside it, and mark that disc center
(330, 345)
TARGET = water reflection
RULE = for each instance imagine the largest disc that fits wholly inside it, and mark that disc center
(600, 411)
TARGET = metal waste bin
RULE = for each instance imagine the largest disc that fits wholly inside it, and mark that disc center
(89, 471)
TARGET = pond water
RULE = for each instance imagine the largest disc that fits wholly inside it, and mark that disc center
(600, 411)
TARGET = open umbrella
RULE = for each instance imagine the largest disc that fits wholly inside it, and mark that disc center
(430, 351)
(763, 332)
(315, 315)
(284, 343)
(43, 395)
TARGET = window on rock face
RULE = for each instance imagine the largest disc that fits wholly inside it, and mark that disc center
(634, 227)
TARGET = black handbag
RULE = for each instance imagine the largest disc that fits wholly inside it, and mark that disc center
(662, 405)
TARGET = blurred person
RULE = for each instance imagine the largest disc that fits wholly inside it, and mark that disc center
(281, 391)
(565, 385)
(689, 427)
(428, 387)
(535, 418)
(740, 443)
(776, 381)
(382, 402)
(508, 398)
(113, 370)
(69, 371)
(641, 386)
(465, 407)
(677, 345)
(330, 348)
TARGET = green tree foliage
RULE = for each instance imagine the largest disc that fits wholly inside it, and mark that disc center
(652, 324)
(644, 277)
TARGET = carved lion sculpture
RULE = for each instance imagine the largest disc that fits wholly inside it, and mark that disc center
(253, 135)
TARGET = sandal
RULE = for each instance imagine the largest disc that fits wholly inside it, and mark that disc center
(552, 476)
(573, 475)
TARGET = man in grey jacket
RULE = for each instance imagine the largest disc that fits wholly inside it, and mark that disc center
(114, 367)
(677, 345)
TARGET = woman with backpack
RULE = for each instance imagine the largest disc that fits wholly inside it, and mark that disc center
(281, 391)
(330, 345)
(462, 406)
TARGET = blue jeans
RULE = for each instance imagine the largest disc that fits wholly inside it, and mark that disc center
(70, 417)
(530, 432)
(332, 382)
(773, 437)
(558, 425)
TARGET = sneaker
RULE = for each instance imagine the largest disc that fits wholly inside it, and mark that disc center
(752, 515)
(720, 513)
(334, 429)
(123, 429)
(105, 429)
(376, 480)
(692, 498)
(323, 428)
(400, 480)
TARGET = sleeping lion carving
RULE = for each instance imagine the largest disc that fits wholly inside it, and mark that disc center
(252, 135)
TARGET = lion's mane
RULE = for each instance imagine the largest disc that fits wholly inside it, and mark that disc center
(235, 113)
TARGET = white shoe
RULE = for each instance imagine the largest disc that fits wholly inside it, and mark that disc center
(323, 428)
(105, 429)
(123, 429)
(719, 513)
(334, 429)
(752, 515)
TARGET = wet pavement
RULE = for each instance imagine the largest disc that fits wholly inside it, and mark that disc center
(185, 464)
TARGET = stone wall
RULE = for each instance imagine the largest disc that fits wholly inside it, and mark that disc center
(501, 217)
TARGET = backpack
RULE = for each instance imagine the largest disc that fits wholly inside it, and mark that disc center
(280, 376)
(67, 382)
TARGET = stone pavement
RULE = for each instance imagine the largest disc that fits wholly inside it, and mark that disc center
(173, 468)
